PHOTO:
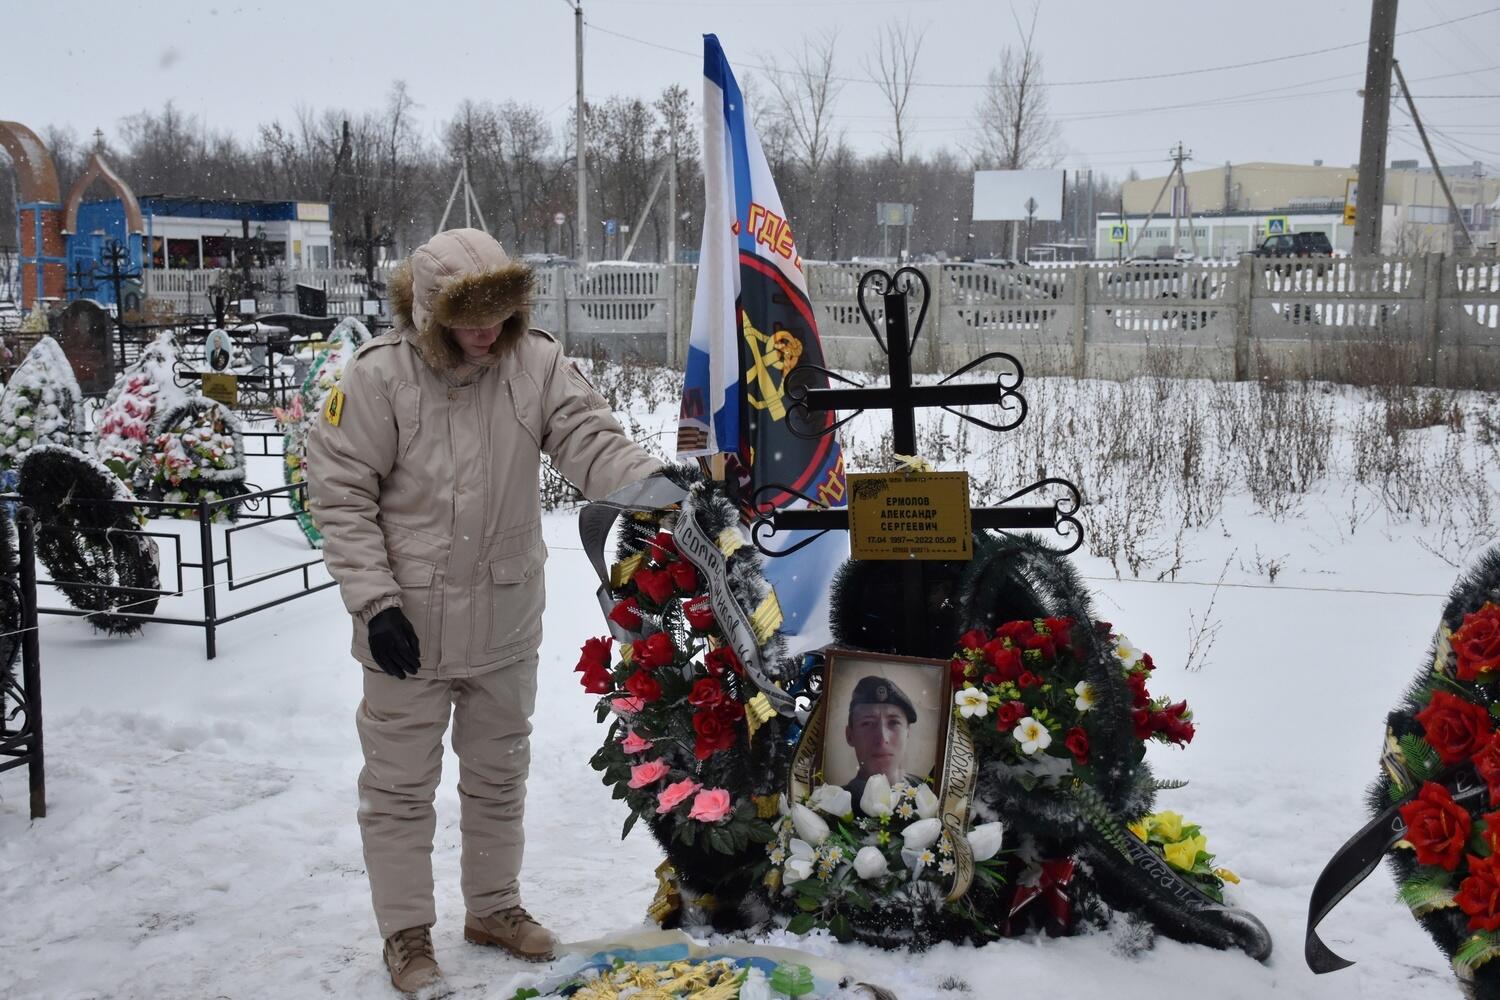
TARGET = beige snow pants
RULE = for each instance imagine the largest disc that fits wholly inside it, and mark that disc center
(401, 725)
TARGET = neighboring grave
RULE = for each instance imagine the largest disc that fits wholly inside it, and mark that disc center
(83, 331)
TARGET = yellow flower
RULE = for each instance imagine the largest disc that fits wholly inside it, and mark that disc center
(1182, 854)
(1227, 875)
(1138, 828)
(1167, 825)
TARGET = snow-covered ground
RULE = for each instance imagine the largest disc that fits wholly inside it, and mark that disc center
(200, 839)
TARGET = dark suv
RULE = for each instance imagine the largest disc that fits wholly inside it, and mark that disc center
(1295, 245)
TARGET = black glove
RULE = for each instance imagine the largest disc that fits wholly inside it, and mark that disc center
(393, 644)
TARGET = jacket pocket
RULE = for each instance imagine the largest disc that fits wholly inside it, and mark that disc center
(518, 597)
(415, 577)
(527, 399)
(407, 405)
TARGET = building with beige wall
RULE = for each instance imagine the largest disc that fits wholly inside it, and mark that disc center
(1231, 205)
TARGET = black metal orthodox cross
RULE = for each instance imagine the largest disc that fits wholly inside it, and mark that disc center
(903, 399)
(116, 272)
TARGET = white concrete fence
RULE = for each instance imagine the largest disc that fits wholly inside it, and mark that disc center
(1430, 319)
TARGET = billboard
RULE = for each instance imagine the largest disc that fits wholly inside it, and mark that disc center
(1001, 195)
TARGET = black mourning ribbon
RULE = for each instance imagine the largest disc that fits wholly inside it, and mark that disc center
(1353, 862)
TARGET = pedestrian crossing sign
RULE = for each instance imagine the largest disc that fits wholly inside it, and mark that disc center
(1119, 234)
(1277, 225)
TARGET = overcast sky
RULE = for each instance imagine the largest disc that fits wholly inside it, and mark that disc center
(87, 65)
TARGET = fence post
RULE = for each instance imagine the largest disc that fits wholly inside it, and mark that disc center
(934, 319)
(1080, 275)
(1432, 278)
(560, 296)
(31, 661)
(1244, 278)
(210, 601)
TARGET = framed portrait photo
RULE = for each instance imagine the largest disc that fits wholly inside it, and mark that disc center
(883, 715)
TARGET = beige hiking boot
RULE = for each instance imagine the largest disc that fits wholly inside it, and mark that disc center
(414, 970)
(514, 930)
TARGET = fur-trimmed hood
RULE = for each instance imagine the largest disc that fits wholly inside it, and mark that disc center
(460, 277)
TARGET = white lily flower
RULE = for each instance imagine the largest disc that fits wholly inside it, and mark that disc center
(927, 802)
(870, 863)
(833, 800)
(800, 865)
(971, 703)
(809, 825)
(876, 800)
(1032, 735)
(1086, 697)
(1125, 652)
(985, 840)
(922, 834)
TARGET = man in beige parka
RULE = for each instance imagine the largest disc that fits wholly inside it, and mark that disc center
(423, 475)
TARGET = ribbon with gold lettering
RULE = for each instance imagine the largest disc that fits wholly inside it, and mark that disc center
(960, 768)
(739, 627)
(805, 757)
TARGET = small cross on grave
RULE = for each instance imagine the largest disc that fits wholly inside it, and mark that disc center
(902, 398)
(116, 271)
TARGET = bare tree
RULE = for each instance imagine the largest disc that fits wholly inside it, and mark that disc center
(894, 70)
(1016, 129)
(804, 98)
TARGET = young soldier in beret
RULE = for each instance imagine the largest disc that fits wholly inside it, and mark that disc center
(880, 719)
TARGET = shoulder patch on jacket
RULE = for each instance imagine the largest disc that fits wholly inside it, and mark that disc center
(542, 333)
(333, 406)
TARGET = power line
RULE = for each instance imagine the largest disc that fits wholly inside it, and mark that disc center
(1072, 83)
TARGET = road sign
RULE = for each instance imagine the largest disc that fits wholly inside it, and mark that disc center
(893, 213)
(1031, 206)
(1119, 234)
(559, 219)
(1351, 193)
(1277, 225)
(611, 226)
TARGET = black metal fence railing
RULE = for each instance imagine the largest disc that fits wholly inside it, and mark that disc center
(215, 563)
(21, 696)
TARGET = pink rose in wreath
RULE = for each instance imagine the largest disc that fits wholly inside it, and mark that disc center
(648, 773)
(711, 805)
(635, 744)
(676, 794)
(625, 707)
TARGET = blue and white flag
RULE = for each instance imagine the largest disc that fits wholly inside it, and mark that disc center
(753, 324)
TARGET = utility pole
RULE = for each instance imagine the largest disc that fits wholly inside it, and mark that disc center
(1374, 129)
(1461, 242)
(582, 180)
(1178, 155)
(1179, 202)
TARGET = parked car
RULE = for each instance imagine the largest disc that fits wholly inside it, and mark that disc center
(1295, 245)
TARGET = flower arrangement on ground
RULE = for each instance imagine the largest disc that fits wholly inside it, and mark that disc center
(195, 455)
(1440, 744)
(131, 406)
(700, 746)
(41, 404)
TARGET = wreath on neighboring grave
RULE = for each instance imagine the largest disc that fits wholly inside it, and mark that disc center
(296, 420)
(41, 404)
(697, 748)
(93, 551)
(195, 454)
(131, 406)
(1437, 800)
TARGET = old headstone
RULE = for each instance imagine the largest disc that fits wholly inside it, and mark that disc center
(83, 330)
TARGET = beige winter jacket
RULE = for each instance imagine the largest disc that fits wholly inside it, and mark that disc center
(426, 488)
